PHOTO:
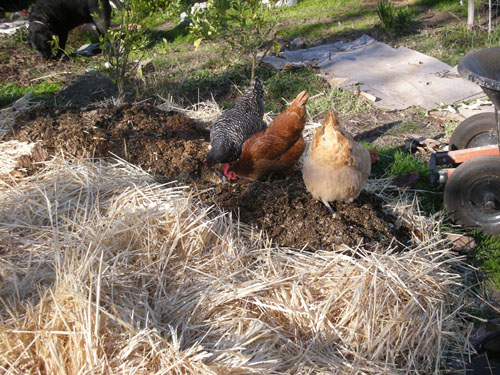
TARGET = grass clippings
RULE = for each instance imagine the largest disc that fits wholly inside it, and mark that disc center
(105, 271)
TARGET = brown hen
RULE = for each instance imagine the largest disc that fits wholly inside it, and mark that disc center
(276, 148)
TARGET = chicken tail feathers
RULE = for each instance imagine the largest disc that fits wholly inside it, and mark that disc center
(257, 86)
(252, 101)
(330, 119)
(300, 100)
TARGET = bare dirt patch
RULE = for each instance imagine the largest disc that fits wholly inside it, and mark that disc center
(86, 90)
(23, 66)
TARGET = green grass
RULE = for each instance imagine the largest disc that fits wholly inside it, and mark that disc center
(336, 99)
(157, 18)
(488, 255)
(396, 161)
(10, 92)
(450, 43)
(405, 127)
(446, 6)
(317, 19)
(346, 11)
(284, 86)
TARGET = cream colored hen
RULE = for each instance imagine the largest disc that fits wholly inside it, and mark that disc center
(337, 166)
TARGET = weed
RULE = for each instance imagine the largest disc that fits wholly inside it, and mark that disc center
(405, 163)
(20, 36)
(386, 12)
(396, 161)
(450, 128)
(403, 18)
(392, 18)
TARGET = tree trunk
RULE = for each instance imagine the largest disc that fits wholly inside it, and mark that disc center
(470, 15)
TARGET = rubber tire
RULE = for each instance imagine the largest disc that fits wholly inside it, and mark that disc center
(470, 128)
(463, 194)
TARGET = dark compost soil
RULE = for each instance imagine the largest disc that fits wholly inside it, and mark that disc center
(172, 147)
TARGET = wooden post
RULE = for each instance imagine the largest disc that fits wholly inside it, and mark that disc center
(470, 14)
(489, 17)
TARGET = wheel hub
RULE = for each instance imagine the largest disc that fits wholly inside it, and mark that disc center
(483, 200)
(472, 194)
(489, 205)
(489, 202)
(483, 139)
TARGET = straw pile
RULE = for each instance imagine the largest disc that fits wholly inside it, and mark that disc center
(104, 271)
(9, 114)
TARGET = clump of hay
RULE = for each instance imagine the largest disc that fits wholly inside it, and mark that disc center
(105, 271)
(9, 114)
(203, 112)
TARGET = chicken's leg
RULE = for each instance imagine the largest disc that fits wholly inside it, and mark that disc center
(329, 208)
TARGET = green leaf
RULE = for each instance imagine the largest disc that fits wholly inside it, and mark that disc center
(197, 42)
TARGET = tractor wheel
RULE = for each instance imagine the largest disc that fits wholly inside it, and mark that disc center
(472, 194)
(477, 130)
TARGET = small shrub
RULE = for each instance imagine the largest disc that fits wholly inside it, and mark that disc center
(247, 26)
(121, 43)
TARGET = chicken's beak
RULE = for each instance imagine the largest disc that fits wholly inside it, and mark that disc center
(373, 155)
(207, 164)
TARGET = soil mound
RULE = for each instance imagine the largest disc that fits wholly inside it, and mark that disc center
(170, 146)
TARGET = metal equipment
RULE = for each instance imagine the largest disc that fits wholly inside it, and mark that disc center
(472, 172)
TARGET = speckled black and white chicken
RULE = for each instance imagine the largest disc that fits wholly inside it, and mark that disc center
(236, 125)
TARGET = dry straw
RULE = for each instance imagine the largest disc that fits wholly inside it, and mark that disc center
(9, 114)
(104, 271)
